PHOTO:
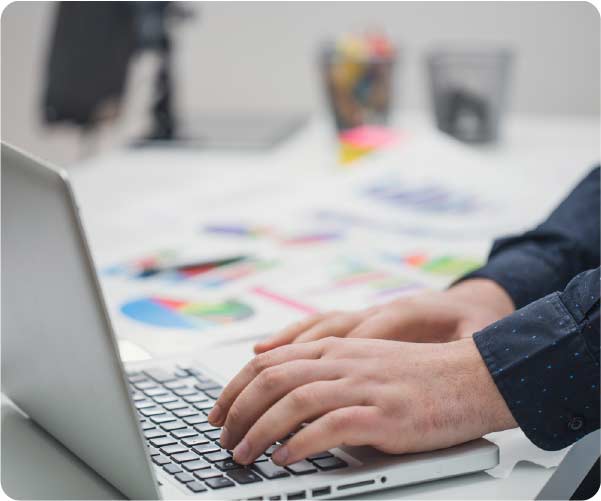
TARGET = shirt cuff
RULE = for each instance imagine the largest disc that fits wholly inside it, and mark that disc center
(545, 372)
(518, 271)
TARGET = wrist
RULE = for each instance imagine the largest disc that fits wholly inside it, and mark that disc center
(488, 404)
(483, 302)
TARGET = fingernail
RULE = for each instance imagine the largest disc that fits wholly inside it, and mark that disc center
(215, 414)
(281, 455)
(224, 438)
(242, 452)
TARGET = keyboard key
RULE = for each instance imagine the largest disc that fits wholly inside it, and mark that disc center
(148, 426)
(175, 384)
(172, 468)
(270, 470)
(165, 399)
(154, 433)
(219, 482)
(244, 476)
(271, 449)
(204, 406)
(198, 464)
(217, 456)
(154, 392)
(198, 419)
(207, 473)
(330, 463)
(196, 486)
(207, 385)
(145, 385)
(204, 427)
(184, 456)
(205, 449)
(160, 375)
(320, 455)
(152, 451)
(185, 391)
(163, 441)
(151, 411)
(301, 468)
(261, 458)
(144, 404)
(197, 440)
(137, 396)
(175, 405)
(192, 399)
(228, 464)
(173, 425)
(184, 478)
(160, 460)
(214, 393)
(174, 449)
(213, 435)
(183, 433)
(185, 412)
(162, 418)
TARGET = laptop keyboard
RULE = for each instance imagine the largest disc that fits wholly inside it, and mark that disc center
(173, 406)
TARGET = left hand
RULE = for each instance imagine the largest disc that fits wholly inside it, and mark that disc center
(397, 397)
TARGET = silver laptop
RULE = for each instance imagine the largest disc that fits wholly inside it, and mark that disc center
(142, 427)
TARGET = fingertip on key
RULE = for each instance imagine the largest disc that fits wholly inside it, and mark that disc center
(216, 415)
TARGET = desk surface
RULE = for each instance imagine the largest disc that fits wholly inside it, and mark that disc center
(119, 192)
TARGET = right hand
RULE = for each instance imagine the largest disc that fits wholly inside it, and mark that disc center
(430, 317)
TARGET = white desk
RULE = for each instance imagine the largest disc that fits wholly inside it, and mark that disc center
(121, 191)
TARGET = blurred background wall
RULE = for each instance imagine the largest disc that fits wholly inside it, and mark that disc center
(262, 56)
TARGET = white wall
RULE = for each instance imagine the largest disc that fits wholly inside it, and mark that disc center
(257, 55)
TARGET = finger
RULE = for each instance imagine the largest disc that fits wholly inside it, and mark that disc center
(339, 326)
(270, 386)
(289, 333)
(355, 425)
(303, 404)
(253, 368)
(377, 326)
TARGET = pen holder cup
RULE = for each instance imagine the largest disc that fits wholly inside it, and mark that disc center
(469, 90)
(359, 90)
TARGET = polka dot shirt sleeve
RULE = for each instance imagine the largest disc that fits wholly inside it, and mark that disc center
(545, 259)
(544, 359)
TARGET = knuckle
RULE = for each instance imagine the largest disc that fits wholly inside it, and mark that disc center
(301, 397)
(270, 379)
(260, 362)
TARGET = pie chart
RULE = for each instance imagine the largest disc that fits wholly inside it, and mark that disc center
(160, 311)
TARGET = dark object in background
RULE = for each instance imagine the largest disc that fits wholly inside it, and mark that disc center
(469, 90)
(91, 48)
(226, 130)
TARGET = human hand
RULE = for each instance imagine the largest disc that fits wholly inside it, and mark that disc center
(397, 397)
(428, 317)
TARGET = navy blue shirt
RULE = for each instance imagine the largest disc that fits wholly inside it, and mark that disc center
(544, 358)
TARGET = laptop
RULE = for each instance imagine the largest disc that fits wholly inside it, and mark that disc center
(143, 426)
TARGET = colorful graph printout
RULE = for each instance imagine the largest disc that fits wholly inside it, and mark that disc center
(210, 275)
(167, 312)
(426, 198)
(286, 238)
(438, 265)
